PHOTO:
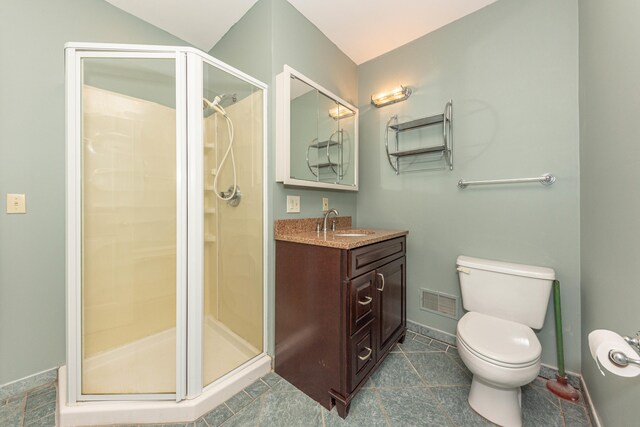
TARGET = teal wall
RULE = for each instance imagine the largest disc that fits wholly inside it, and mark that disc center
(512, 72)
(273, 33)
(610, 206)
(32, 161)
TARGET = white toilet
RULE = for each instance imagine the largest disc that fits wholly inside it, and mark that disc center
(495, 340)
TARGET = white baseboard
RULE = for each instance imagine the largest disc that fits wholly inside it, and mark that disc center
(589, 402)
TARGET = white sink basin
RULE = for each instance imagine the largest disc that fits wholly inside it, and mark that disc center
(353, 233)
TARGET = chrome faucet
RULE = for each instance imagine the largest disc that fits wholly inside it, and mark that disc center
(329, 212)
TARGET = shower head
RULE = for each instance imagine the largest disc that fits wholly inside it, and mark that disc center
(225, 96)
(214, 106)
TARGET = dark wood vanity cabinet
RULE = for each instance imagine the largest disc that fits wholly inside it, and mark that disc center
(338, 314)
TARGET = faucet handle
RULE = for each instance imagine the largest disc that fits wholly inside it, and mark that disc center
(333, 225)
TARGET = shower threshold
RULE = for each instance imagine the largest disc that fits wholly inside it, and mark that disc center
(163, 412)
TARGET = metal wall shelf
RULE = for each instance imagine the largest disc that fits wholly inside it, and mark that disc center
(323, 165)
(413, 124)
(415, 152)
(323, 144)
(446, 148)
(335, 140)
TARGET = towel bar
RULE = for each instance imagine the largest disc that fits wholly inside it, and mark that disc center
(546, 179)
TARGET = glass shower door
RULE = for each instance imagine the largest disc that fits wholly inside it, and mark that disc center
(232, 235)
(131, 212)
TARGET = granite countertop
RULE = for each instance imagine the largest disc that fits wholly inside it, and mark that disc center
(302, 231)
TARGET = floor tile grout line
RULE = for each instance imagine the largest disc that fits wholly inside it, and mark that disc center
(544, 393)
(415, 370)
(46, 402)
(441, 408)
(461, 366)
(24, 409)
(227, 406)
(422, 385)
(260, 411)
(564, 421)
(382, 408)
(451, 359)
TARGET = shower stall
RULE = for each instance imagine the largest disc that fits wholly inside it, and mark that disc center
(165, 233)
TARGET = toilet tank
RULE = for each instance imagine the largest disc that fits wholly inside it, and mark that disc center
(515, 292)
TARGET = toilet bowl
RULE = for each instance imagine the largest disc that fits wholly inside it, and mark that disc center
(495, 338)
(502, 356)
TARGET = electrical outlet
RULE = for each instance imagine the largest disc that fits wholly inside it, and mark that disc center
(293, 204)
(16, 204)
(325, 204)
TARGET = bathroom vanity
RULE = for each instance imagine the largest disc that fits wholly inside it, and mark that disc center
(340, 306)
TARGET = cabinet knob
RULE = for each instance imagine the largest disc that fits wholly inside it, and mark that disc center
(369, 351)
(367, 300)
(381, 288)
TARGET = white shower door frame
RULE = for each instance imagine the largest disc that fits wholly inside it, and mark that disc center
(189, 197)
(196, 61)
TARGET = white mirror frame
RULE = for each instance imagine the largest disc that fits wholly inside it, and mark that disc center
(283, 132)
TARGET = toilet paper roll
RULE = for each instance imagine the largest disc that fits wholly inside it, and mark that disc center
(601, 342)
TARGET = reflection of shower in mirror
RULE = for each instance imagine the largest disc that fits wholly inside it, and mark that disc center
(232, 195)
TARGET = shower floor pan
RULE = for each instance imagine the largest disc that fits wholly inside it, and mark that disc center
(104, 373)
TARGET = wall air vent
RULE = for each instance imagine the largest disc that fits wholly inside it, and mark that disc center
(439, 303)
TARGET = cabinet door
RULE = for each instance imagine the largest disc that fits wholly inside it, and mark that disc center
(390, 309)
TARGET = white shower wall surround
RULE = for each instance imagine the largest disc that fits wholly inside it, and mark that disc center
(166, 282)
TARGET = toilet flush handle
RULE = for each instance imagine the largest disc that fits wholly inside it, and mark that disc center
(463, 270)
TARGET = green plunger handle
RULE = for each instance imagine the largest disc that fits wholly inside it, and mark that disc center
(558, 316)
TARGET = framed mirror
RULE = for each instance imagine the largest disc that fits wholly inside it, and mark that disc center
(317, 135)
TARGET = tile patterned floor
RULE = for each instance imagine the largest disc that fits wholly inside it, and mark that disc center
(421, 383)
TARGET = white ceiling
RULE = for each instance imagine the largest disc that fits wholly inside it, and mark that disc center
(199, 22)
(363, 29)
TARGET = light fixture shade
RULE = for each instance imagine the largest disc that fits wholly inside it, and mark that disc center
(395, 95)
(340, 112)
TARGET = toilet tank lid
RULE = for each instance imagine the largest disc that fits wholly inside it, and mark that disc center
(507, 267)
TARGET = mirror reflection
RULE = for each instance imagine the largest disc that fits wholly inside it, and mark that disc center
(322, 133)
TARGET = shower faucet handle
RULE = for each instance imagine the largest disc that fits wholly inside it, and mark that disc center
(232, 196)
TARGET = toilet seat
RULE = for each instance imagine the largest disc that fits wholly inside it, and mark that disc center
(498, 341)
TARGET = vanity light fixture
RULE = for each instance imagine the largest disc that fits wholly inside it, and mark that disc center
(340, 112)
(395, 95)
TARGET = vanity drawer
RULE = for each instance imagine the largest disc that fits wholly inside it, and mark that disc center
(370, 257)
(361, 301)
(362, 354)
